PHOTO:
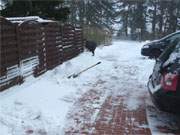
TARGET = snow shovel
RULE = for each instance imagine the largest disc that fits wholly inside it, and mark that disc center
(76, 75)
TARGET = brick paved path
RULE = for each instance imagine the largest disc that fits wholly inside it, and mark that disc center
(110, 118)
(115, 119)
(99, 113)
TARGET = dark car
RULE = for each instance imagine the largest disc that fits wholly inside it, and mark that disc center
(155, 48)
(164, 83)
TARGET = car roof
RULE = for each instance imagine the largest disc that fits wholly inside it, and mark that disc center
(177, 32)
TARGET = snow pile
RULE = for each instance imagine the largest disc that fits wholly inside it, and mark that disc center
(40, 105)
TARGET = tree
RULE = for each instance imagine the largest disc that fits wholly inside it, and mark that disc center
(47, 9)
(92, 12)
(148, 18)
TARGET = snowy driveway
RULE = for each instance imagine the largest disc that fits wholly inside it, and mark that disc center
(108, 99)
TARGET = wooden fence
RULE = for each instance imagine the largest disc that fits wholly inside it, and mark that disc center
(31, 46)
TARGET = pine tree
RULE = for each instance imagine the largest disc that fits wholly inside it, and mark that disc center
(100, 13)
(47, 9)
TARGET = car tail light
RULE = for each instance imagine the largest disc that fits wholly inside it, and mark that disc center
(169, 82)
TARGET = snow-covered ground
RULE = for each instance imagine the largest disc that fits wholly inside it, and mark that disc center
(40, 105)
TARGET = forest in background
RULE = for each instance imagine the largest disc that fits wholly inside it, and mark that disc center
(127, 19)
(52, 9)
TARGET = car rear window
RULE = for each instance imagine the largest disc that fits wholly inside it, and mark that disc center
(174, 56)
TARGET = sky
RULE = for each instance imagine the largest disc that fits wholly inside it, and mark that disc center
(1, 4)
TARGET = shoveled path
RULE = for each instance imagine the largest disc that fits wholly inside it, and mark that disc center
(117, 103)
(111, 117)
(122, 120)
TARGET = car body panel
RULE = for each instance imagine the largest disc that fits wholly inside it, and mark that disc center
(166, 100)
(156, 47)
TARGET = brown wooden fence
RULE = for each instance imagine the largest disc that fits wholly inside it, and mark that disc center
(31, 46)
(9, 59)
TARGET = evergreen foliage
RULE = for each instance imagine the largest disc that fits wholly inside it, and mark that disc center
(139, 19)
(44, 8)
(136, 19)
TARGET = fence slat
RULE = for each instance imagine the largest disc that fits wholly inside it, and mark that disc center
(31, 47)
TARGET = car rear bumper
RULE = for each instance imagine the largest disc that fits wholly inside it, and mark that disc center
(165, 101)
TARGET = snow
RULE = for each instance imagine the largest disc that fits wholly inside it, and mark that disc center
(174, 56)
(40, 105)
(22, 19)
(158, 119)
(2, 4)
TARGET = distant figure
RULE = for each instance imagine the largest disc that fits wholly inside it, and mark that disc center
(91, 46)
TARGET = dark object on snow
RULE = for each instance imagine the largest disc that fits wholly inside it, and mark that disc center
(164, 83)
(155, 48)
(91, 46)
(76, 75)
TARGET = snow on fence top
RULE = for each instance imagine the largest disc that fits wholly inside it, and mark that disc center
(35, 47)
(33, 18)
